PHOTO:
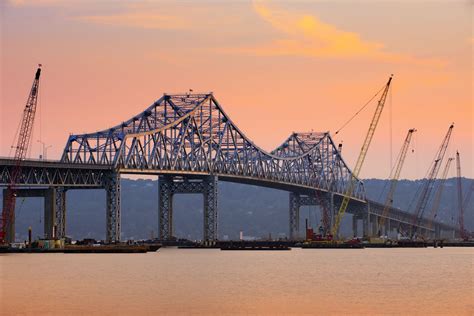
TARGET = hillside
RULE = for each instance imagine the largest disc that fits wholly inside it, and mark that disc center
(257, 211)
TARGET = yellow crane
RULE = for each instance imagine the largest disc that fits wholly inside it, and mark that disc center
(395, 177)
(360, 160)
(439, 193)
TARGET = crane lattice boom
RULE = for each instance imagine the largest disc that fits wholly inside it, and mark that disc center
(360, 160)
(21, 149)
(429, 183)
(439, 193)
(393, 183)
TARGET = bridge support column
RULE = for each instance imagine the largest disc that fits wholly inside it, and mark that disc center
(210, 208)
(355, 222)
(60, 194)
(365, 225)
(49, 213)
(294, 215)
(112, 187)
(168, 187)
(10, 228)
(165, 208)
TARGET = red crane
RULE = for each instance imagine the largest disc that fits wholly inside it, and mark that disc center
(21, 149)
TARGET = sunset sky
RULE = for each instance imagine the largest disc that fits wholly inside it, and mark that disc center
(275, 66)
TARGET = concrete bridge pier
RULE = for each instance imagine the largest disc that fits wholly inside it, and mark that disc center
(113, 221)
(168, 186)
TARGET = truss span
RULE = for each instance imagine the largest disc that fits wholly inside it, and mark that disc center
(190, 134)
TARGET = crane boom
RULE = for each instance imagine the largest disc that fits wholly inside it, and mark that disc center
(21, 149)
(396, 176)
(439, 193)
(360, 160)
(460, 200)
(429, 183)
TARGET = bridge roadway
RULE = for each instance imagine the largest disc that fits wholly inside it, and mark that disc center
(52, 179)
(191, 143)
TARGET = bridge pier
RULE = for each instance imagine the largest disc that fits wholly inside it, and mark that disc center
(365, 225)
(294, 215)
(296, 200)
(10, 228)
(113, 224)
(50, 210)
(60, 204)
(168, 186)
(355, 222)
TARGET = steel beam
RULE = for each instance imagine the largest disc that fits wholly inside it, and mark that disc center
(168, 186)
(294, 215)
(112, 187)
(60, 194)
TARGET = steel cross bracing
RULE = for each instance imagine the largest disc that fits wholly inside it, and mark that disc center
(169, 186)
(191, 134)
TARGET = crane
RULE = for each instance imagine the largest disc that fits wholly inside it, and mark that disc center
(21, 149)
(464, 234)
(360, 160)
(396, 176)
(429, 182)
(439, 193)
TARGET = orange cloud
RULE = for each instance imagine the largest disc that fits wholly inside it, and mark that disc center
(306, 35)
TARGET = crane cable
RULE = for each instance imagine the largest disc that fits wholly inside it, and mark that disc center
(360, 110)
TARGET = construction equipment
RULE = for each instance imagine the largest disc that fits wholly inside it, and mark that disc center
(429, 183)
(21, 149)
(464, 234)
(396, 175)
(360, 160)
(439, 193)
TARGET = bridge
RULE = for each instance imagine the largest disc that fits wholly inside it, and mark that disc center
(191, 144)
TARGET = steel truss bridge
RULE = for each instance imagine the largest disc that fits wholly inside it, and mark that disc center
(191, 143)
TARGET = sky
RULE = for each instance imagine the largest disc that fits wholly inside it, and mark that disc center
(276, 67)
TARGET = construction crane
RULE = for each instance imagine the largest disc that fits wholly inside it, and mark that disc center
(21, 149)
(429, 182)
(439, 193)
(360, 160)
(395, 177)
(464, 234)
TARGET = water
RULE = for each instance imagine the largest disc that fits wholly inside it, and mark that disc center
(212, 282)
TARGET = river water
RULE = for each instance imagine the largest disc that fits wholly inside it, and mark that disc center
(213, 282)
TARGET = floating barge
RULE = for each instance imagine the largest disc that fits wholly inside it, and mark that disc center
(254, 245)
(86, 249)
(331, 245)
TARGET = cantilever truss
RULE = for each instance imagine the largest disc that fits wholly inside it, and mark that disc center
(191, 134)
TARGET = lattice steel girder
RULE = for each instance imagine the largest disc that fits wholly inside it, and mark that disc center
(165, 208)
(113, 220)
(192, 133)
(403, 217)
(48, 174)
(169, 185)
(294, 215)
(60, 195)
